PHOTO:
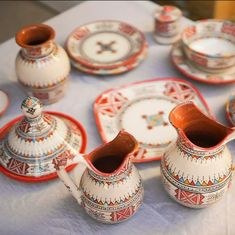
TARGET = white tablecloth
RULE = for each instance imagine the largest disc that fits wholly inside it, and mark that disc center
(48, 208)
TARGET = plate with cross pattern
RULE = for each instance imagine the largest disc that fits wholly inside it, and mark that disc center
(142, 109)
(105, 44)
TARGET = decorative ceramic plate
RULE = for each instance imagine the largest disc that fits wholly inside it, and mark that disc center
(142, 109)
(20, 168)
(230, 109)
(105, 44)
(191, 71)
(120, 69)
(4, 102)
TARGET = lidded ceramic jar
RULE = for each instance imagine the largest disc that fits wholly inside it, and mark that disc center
(166, 29)
(33, 144)
(42, 66)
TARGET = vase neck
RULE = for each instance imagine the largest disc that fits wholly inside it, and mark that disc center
(186, 146)
(38, 51)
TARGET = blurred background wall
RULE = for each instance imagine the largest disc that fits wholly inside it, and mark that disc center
(15, 14)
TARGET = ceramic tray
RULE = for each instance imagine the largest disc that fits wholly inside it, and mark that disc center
(20, 168)
(188, 69)
(105, 44)
(142, 109)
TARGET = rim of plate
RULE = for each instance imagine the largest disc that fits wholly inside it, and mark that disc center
(190, 75)
(121, 63)
(32, 179)
(98, 123)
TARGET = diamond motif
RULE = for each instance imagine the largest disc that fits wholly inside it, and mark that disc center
(122, 214)
(110, 105)
(188, 197)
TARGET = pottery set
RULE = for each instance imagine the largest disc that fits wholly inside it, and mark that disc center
(42, 66)
(172, 121)
(198, 55)
(106, 47)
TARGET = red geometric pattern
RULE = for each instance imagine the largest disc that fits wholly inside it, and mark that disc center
(109, 105)
(189, 32)
(62, 159)
(179, 91)
(122, 214)
(188, 197)
(17, 166)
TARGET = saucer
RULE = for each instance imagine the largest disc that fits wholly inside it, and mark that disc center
(118, 70)
(185, 67)
(166, 40)
(142, 109)
(19, 170)
(230, 109)
(105, 44)
(4, 102)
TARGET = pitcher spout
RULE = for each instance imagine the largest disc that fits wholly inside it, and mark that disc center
(198, 129)
(111, 157)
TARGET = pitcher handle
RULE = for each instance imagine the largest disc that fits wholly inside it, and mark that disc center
(67, 180)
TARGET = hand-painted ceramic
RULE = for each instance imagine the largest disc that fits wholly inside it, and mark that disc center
(4, 102)
(119, 70)
(210, 44)
(29, 145)
(190, 70)
(105, 44)
(167, 24)
(197, 167)
(230, 109)
(109, 187)
(142, 109)
(42, 66)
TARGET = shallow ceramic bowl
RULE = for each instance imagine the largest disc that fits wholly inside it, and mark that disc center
(210, 44)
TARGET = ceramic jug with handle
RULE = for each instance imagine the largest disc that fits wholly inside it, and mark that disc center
(197, 169)
(110, 188)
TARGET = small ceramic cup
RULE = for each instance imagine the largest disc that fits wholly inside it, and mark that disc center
(166, 29)
(210, 44)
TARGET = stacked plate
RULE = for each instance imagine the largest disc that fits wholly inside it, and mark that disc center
(106, 47)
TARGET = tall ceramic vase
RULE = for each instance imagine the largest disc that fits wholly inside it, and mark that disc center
(42, 66)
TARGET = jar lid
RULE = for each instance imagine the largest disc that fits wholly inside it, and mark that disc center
(33, 144)
(167, 14)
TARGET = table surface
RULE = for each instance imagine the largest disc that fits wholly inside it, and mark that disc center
(48, 208)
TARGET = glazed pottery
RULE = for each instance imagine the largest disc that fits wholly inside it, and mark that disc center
(197, 168)
(210, 44)
(4, 102)
(105, 44)
(167, 24)
(190, 70)
(230, 109)
(42, 66)
(142, 109)
(121, 69)
(109, 188)
(30, 145)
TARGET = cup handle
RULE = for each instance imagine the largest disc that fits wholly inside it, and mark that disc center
(67, 180)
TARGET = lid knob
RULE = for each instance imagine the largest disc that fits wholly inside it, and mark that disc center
(31, 107)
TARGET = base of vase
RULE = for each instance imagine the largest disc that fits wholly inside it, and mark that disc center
(48, 95)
